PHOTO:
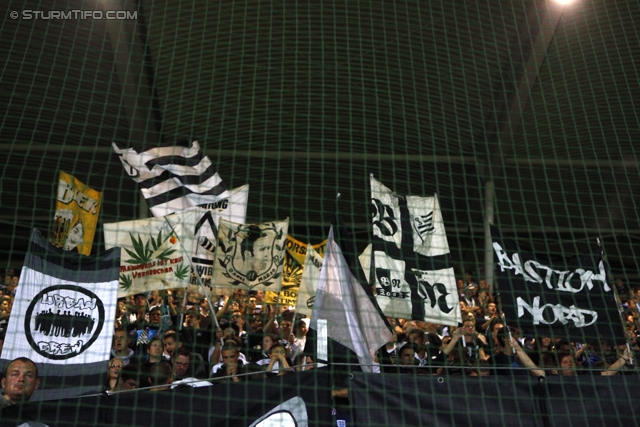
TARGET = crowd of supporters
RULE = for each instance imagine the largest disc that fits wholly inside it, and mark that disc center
(177, 338)
(485, 345)
(244, 338)
(241, 339)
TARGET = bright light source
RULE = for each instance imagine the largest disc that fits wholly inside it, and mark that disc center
(564, 2)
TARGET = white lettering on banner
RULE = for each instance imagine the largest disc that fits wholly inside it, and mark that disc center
(68, 302)
(560, 314)
(531, 270)
(55, 348)
(67, 193)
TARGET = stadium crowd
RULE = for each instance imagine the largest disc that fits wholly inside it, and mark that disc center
(172, 338)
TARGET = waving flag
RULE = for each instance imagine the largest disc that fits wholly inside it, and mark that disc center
(76, 217)
(293, 272)
(155, 254)
(62, 317)
(352, 318)
(250, 256)
(309, 281)
(174, 177)
(409, 256)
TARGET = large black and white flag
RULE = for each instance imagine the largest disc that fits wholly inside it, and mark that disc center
(174, 177)
(564, 297)
(409, 256)
(63, 317)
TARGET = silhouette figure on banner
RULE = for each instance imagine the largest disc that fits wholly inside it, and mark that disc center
(64, 324)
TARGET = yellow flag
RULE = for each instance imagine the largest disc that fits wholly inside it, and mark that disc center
(292, 273)
(76, 217)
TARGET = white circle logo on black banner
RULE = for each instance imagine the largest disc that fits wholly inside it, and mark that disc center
(62, 321)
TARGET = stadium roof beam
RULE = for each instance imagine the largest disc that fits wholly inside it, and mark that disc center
(387, 158)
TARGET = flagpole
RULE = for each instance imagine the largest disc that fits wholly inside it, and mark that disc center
(277, 308)
(489, 195)
(372, 258)
(184, 303)
(204, 290)
(504, 321)
(604, 259)
(499, 303)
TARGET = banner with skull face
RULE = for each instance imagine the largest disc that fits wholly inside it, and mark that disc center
(408, 260)
(250, 256)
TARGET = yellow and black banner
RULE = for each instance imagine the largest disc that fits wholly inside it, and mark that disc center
(76, 217)
(295, 253)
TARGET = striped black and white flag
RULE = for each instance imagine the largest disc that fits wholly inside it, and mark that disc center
(174, 177)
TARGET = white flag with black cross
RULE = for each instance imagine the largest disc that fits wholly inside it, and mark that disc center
(409, 258)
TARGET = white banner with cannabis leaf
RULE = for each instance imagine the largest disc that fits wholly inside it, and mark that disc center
(152, 256)
(250, 256)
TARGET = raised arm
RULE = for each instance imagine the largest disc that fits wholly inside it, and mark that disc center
(581, 351)
(619, 364)
(215, 356)
(224, 308)
(526, 360)
(269, 327)
(455, 337)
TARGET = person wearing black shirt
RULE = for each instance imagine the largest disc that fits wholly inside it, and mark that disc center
(195, 338)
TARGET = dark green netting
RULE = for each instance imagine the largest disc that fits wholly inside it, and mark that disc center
(521, 113)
